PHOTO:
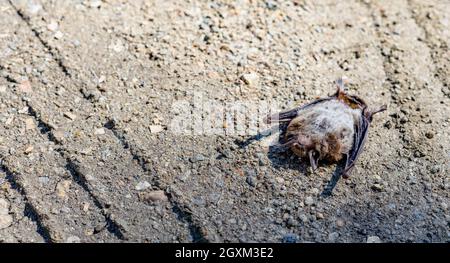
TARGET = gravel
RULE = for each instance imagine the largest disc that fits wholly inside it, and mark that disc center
(281, 53)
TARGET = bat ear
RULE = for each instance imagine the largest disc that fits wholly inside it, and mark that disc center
(340, 83)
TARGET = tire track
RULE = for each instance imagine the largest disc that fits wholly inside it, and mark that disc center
(139, 67)
(57, 59)
(50, 196)
(26, 151)
(182, 213)
(409, 70)
(29, 210)
(435, 37)
(70, 166)
(239, 212)
(116, 217)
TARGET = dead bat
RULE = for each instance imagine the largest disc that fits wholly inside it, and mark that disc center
(328, 128)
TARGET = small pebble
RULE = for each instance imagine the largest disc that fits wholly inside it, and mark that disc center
(101, 79)
(58, 35)
(261, 159)
(377, 187)
(340, 223)
(70, 115)
(377, 178)
(271, 5)
(95, 4)
(418, 154)
(332, 237)
(9, 121)
(197, 158)
(156, 128)
(320, 216)
(251, 180)
(250, 79)
(309, 200)
(118, 47)
(142, 186)
(99, 131)
(58, 135)
(25, 86)
(303, 218)
(388, 125)
(434, 169)
(429, 135)
(34, 8)
(5, 221)
(29, 124)
(4, 206)
(62, 188)
(290, 238)
(53, 26)
(279, 180)
(73, 239)
(373, 239)
(153, 196)
(291, 222)
(29, 149)
(98, 228)
(23, 110)
(86, 207)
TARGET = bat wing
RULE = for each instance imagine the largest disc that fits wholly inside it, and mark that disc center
(287, 116)
(360, 136)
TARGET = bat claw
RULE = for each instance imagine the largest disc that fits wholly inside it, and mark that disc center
(369, 113)
(313, 160)
(380, 109)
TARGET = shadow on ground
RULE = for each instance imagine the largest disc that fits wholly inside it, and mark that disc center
(283, 158)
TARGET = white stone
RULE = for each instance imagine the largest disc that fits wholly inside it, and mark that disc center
(95, 4)
(53, 26)
(142, 186)
(58, 35)
(4, 207)
(73, 239)
(34, 8)
(5, 221)
(373, 239)
(99, 131)
(309, 200)
(156, 128)
(250, 79)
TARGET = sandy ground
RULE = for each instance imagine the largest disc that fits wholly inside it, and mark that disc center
(94, 149)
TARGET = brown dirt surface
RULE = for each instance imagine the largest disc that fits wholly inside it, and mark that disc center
(88, 98)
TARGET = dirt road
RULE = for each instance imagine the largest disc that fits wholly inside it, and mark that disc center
(93, 148)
